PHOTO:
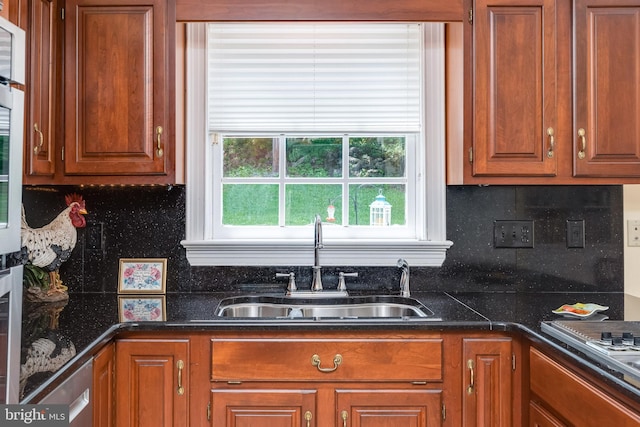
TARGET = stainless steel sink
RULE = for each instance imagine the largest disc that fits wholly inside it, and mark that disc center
(366, 307)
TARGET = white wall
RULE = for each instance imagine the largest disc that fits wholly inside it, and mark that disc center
(631, 201)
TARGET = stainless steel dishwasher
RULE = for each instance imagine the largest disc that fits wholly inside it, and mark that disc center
(76, 392)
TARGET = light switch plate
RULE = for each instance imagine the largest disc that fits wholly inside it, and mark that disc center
(633, 232)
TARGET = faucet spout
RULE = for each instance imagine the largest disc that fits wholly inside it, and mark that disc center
(316, 284)
(404, 279)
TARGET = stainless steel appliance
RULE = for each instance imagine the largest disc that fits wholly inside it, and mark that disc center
(76, 392)
(12, 67)
(614, 343)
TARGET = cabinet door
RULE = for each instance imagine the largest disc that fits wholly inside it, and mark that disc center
(388, 408)
(103, 369)
(514, 107)
(152, 383)
(539, 417)
(117, 87)
(607, 88)
(42, 72)
(273, 408)
(487, 382)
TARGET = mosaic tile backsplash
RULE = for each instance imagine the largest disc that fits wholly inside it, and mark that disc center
(149, 222)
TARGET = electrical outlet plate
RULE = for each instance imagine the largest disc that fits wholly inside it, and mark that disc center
(513, 234)
(575, 233)
(633, 232)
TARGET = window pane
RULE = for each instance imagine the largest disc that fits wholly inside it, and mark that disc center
(250, 204)
(314, 157)
(304, 201)
(377, 157)
(361, 197)
(250, 157)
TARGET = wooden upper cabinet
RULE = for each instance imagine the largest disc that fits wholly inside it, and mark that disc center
(514, 105)
(118, 79)
(43, 30)
(606, 88)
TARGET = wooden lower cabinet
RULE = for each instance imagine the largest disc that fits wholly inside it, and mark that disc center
(487, 395)
(388, 408)
(325, 379)
(152, 382)
(562, 396)
(103, 370)
(327, 405)
(275, 378)
(539, 417)
(265, 407)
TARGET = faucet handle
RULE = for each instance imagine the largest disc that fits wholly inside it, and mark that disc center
(291, 286)
(342, 286)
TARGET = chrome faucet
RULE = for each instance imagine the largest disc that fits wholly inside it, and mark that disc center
(316, 284)
(404, 279)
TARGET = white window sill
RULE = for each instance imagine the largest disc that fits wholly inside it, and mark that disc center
(334, 253)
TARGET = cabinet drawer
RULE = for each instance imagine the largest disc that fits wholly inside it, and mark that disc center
(573, 397)
(255, 359)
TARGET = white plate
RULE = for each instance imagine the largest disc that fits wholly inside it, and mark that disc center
(579, 310)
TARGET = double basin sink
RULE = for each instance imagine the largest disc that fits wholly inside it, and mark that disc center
(380, 307)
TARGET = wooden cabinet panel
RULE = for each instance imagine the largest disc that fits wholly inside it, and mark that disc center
(359, 359)
(148, 383)
(388, 408)
(573, 398)
(607, 88)
(103, 377)
(539, 417)
(487, 391)
(118, 76)
(43, 31)
(263, 407)
(515, 88)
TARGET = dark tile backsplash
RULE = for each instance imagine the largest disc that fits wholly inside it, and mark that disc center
(149, 222)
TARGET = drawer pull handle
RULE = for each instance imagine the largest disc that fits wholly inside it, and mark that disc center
(337, 360)
(583, 143)
(552, 142)
(38, 147)
(180, 366)
(344, 415)
(471, 380)
(159, 150)
(308, 416)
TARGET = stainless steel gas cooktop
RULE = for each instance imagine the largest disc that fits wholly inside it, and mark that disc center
(613, 343)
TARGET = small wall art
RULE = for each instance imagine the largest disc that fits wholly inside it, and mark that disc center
(142, 276)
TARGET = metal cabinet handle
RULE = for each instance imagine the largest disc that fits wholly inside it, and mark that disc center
(552, 142)
(307, 417)
(159, 150)
(180, 365)
(471, 380)
(344, 415)
(337, 360)
(583, 142)
(38, 147)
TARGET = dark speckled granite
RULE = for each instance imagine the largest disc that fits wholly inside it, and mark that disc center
(89, 320)
(150, 221)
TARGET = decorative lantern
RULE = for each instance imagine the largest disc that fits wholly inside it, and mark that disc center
(380, 212)
(331, 211)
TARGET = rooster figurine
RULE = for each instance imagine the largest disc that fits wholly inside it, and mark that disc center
(45, 249)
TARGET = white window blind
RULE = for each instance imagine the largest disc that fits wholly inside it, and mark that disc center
(356, 77)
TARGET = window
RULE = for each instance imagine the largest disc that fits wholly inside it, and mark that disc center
(344, 120)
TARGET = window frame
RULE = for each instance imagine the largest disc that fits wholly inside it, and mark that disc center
(429, 246)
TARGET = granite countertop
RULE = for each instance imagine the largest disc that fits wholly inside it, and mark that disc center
(82, 325)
